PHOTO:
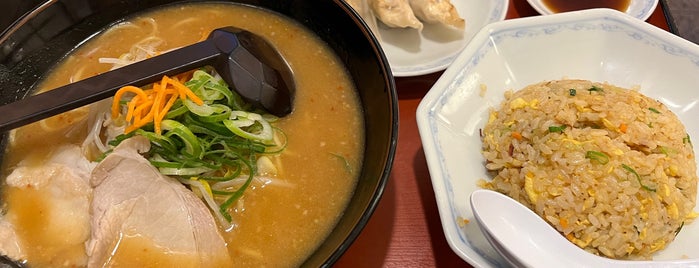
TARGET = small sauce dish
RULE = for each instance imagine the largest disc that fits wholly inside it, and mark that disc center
(640, 9)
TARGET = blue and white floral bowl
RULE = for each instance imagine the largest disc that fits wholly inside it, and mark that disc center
(601, 45)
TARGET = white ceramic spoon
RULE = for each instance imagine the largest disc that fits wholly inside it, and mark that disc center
(525, 240)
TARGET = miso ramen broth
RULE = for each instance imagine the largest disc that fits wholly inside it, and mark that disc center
(278, 223)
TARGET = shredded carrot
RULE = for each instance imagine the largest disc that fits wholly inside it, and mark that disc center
(152, 105)
(184, 77)
(623, 127)
(159, 119)
(563, 222)
(160, 89)
(120, 93)
(185, 92)
(131, 106)
(516, 135)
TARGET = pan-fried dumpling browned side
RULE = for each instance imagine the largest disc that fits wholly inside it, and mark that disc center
(437, 11)
(395, 13)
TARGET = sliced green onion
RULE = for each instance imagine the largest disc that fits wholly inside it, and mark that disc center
(572, 92)
(666, 150)
(228, 176)
(220, 113)
(654, 110)
(158, 161)
(280, 141)
(217, 142)
(638, 177)
(270, 118)
(208, 128)
(202, 81)
(232, 100)
(600, 157)
(118, 139)
(164, 142)
(557, 129)
(200, 85)
(237, 194)
(250, 126)
(344, 161)
(201, 110)
(677, 231)
(687, 140)
(191, 143)
(183, 171)
(177, 109)
(595, 88)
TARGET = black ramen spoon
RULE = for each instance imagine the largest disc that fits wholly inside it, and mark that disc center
(251, 67)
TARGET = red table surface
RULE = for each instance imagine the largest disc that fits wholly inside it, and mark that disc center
(405, 230)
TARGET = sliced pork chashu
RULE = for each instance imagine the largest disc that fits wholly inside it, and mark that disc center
(141, 218)
(50, 201)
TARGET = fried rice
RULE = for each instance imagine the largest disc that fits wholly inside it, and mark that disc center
(609, 168)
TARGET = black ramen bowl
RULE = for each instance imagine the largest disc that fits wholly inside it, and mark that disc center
(37, 34)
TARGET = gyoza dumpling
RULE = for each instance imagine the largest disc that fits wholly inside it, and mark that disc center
(437, 11)
(363, 9)
(395, 13)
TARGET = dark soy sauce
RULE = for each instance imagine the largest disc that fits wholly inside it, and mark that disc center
(558, 6)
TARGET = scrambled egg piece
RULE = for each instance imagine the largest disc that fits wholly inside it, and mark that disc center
(492, 117)
(617, 151)
(609, 125)
(462, 221)
(581, 243)
(520, 103)
(673, 211)
(529, 187)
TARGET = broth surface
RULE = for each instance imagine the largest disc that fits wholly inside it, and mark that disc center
(279, 224)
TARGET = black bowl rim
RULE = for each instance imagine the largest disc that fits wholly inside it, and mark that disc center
(371, 206)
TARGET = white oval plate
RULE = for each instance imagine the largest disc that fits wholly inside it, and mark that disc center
(640, 9)
(599, 45)
(411, 52)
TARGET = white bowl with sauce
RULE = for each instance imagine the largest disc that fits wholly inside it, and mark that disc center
(640, 9)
